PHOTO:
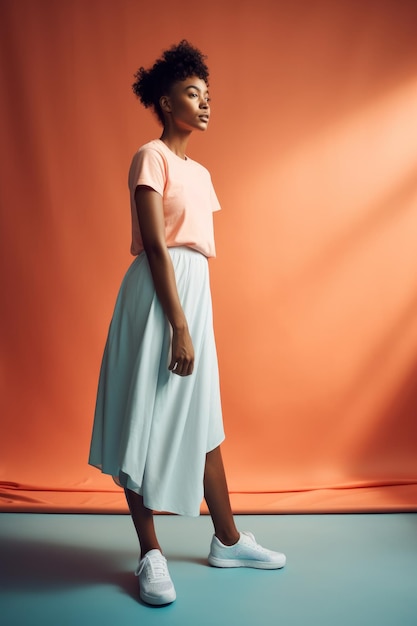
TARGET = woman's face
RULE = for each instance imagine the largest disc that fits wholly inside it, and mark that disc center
(187, 104)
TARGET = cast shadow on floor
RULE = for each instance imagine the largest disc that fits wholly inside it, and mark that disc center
(42, 566)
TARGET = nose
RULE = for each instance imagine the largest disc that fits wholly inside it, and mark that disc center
(204, 104)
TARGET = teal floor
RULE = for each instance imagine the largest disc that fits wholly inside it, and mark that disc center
(356, 570)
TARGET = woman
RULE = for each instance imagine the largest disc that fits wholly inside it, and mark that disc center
(158, 421)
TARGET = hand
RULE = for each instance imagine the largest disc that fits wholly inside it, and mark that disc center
(182, 361)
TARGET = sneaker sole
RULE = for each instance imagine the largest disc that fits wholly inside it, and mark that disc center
(158, 600)
(215, 562)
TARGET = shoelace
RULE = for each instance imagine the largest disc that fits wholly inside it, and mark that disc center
(255, 543)
(157, 564)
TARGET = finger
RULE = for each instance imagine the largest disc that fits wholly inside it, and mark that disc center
(177, 367)
(174, 364)
(187, 368)
(182, 368)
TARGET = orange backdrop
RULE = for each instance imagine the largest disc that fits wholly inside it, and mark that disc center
(313, 151)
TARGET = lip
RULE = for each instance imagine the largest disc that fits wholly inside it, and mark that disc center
(204, 118)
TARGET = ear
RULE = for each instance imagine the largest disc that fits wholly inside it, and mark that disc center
(165, 104)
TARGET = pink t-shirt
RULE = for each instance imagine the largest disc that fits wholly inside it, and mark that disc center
(187, 193)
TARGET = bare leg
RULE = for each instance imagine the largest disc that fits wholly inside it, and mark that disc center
(143, 522)
(217, 497)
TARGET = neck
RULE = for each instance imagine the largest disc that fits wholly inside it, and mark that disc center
(176, 141)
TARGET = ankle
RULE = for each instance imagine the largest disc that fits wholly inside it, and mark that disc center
(228, 539)
(145, 549)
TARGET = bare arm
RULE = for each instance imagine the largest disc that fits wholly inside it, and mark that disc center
(151, 220)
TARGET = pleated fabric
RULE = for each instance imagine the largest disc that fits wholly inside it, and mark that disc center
(152, 428)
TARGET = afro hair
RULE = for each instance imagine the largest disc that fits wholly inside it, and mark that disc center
(178, 63)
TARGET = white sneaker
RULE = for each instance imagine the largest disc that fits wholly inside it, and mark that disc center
(245, 553)
(155, 584)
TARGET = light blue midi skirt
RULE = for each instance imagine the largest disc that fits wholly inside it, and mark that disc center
(153, 428)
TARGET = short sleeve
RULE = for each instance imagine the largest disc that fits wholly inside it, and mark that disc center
(148, 168)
